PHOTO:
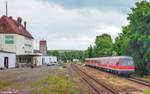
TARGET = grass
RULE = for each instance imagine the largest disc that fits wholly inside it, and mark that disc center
(4, 84)
(147, 77)
(54, 85)
(111, 78)
(147, 91)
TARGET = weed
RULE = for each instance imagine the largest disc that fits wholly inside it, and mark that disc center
(147, 92)
(54, 85)
(4, 84)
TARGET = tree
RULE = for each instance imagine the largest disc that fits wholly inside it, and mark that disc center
(55, 53)
(67, 55)
(89, 53)
(122, 42)
(135, 39)
(103, 45)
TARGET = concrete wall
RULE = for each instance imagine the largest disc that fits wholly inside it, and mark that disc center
(37, 60)
(21, 46)
(29, 45)
(7, 47)
(49, 59)
(11, 60)
(1, 62)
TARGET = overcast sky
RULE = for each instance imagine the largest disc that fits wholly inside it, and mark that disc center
(70, 24)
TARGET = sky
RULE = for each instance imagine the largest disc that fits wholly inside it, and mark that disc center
(70, 24)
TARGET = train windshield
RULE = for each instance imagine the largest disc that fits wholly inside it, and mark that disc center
(126, 61)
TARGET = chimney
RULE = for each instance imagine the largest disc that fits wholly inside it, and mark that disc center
(19, 19)
(10, 17)
(25, 24)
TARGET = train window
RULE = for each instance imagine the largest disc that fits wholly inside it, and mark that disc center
(126, 62)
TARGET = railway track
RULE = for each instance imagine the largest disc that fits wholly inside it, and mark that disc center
(98, 86)
(132, 78)
(140, 81)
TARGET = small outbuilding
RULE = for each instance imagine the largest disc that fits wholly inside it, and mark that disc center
(31, 60)
(49, 60)
(7, 59)
(37, 60)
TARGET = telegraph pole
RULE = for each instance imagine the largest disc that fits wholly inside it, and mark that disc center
(6, 8)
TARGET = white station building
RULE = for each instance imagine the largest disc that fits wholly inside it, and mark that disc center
(15, 38)
(16, 41)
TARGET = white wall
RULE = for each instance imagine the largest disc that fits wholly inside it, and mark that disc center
(28, 45)
(11, 60)
(1, 61)
(7, 47)
(1, 40)
(37, 60)
(20, 45)
(49, 59)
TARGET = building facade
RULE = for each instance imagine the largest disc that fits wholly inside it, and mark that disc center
(15, 38)
(7, 59)
(43, 47)
(16, 43)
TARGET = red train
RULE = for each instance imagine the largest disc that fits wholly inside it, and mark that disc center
(118, 64)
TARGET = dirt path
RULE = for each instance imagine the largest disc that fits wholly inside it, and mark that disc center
(27, 80)
(46, 80)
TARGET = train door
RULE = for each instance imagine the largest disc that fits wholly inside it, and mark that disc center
(6, 62)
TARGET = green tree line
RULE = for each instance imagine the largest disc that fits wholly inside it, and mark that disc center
(133, 41)
(67, 56)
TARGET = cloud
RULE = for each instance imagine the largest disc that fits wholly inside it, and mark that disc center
(71, 43)
(111, 30)
(66, 28)
(121, 5)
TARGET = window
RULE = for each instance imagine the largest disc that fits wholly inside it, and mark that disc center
(126, 62)
(3, 27)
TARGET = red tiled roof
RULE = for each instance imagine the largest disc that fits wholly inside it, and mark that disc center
(11, 26)
(42, 42)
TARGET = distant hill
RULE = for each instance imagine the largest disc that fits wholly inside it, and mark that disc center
(62, 51)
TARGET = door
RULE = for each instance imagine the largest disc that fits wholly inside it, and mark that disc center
(6, 62)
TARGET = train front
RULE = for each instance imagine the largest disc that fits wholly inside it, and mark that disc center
(126, 65)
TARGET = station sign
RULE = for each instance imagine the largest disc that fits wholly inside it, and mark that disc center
(9, 39)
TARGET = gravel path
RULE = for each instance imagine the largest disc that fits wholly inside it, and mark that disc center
(20, 79)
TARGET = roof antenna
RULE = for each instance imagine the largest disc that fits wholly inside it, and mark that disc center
(6, 9)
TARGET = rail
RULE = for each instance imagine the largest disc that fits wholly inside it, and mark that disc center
(86, 77)
(140, 81)
(131, 78)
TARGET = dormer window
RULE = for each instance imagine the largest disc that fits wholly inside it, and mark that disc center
(3, 27)
(19, 27)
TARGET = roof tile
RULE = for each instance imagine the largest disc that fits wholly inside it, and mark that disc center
(9, 25)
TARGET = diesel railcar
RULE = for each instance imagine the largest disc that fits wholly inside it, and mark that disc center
(117, 65)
